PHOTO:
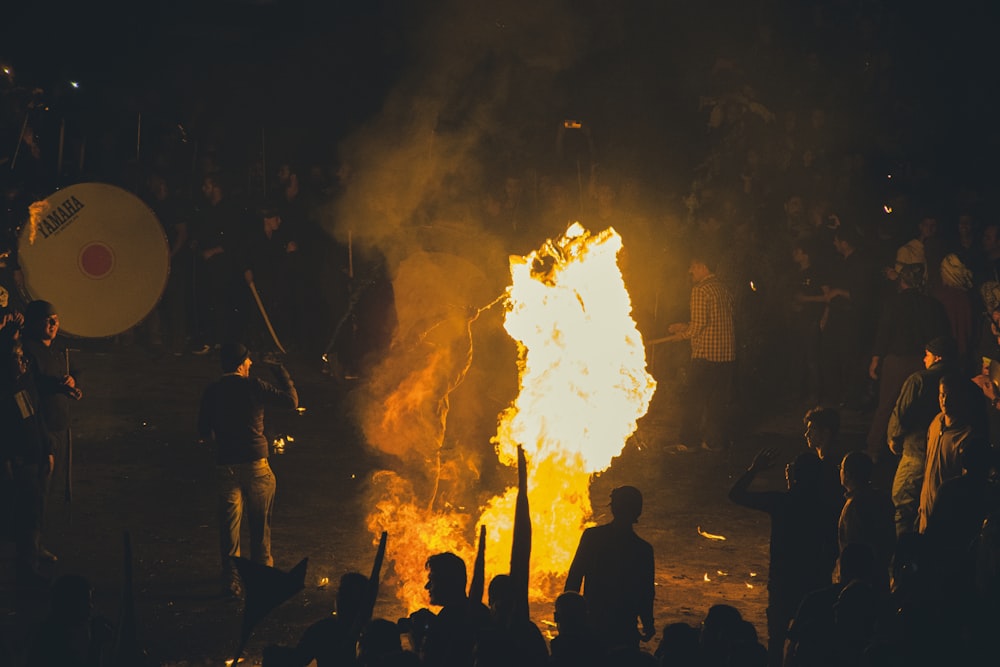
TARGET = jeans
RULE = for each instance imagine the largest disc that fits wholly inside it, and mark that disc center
(251, 485)
(906, 487)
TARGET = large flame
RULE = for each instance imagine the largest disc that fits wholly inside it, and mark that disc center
(582, 387)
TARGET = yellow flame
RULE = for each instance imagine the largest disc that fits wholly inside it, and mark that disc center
(582, 387)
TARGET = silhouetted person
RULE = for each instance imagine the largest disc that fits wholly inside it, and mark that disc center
(379, 646)
(509, 639)
(25, 456)
(803, 538)
(614, 567)
(908, 320)
(70, 635)
(331, 641)
(822, 427)
(722, 631)
(448, 638)
(867, 517)
(576, 645)
(56, 384)
(915, 409)
(962, 420)
(811, 636)
(232, 413)
(679, 646)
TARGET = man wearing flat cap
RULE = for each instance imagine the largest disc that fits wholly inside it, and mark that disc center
(614, 566)
(232, 413)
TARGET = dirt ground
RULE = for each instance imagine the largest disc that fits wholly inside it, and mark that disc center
(138, 468)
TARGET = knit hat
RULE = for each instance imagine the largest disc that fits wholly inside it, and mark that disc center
(231, 355)
(38, 310)
(943, 346)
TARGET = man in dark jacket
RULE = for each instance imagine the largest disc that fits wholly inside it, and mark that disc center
(25, 453)
(232, 412)
(57, 386)
(615, 568)
(803, 539)
(915, 409)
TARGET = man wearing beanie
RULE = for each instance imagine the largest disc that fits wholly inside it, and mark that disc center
(915, 409)
(232, 413)
(56, 383)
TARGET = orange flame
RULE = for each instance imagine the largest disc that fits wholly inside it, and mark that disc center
(582, 387)
(36, 211)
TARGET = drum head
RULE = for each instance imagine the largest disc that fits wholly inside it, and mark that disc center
(99, 255)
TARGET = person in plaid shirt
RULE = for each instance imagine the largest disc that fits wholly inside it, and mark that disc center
(713, 354)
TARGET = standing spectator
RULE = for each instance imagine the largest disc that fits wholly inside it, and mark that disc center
(232, 413)
(803, 539)
(808, 310)
(216, 235)
(846, 330)
(867, 517)
(268, 260)
(916, 406)
(908, 320)
(962, 420)
(822, 427)
(56, 383)
(25, 453)
(614, 567)
(705, 417)
(954, 294)
(171, 317)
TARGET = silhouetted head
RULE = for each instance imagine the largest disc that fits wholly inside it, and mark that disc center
(721, 624)
(678, 645)
(499, 593)
(446, 578)
(804, 471)
(352, 595)
(856, 470)
(571, 612)
(626, 503)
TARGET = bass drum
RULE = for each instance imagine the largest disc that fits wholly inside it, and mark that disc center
(99, 255)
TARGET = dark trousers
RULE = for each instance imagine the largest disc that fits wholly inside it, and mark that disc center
(26, 491)
(706, 414)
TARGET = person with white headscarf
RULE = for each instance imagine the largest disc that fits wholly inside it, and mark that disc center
(955, 295)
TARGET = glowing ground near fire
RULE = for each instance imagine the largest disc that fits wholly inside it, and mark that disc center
(583, 385)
